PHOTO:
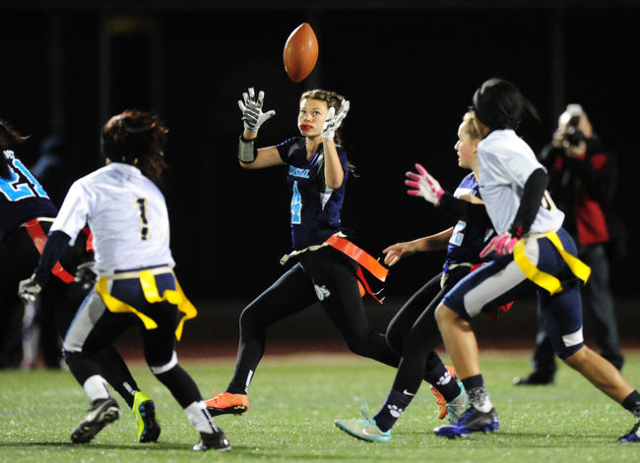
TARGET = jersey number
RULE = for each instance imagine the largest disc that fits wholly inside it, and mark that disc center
(144, 230)
(296, 205)
(16, 189)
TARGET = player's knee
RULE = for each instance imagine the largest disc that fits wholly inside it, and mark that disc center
(578, 358)
(395, 339)
(444, 315)
(158, 368)
(358, 347)
(250, 317)
(361, 343)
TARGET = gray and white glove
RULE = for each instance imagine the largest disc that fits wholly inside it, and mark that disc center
(85, 275)
(334, 120)
(29, 289)
(251, 107)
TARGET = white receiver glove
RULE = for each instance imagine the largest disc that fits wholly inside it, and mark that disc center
(251, 107)
(334, 120)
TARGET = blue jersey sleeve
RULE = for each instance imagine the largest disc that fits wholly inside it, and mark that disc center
(287, 147)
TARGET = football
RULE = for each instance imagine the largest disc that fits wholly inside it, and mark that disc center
(300, 53)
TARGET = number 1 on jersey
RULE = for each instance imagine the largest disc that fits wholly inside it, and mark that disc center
(144, 230)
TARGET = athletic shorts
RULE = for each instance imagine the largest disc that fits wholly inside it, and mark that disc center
(501, 281)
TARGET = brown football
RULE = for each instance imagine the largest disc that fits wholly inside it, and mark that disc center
(300, 53)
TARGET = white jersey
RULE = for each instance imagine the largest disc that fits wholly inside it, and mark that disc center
(127, 215)
(505, 162)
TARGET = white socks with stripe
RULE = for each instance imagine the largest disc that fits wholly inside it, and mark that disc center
(199, 417)
(96, 388)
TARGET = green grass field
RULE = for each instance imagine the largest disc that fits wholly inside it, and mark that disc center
(294, 401)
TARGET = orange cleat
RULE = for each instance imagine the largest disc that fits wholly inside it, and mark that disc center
(224, 403)
(442, 404)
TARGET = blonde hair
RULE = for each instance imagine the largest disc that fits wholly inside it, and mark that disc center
(469, 127)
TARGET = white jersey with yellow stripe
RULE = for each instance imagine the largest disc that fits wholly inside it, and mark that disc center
(505, 162)
(127, 215)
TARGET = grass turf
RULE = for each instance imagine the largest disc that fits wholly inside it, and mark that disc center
(294, 401)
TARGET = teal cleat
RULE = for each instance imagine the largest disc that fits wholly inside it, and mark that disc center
(144, 411)
(365, 429)
(458, 406)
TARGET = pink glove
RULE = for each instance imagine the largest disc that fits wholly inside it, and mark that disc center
(502, 244)
(424, 185)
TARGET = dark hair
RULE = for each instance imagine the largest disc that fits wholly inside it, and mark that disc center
(137, 138)
(498, 104)
(8, 138)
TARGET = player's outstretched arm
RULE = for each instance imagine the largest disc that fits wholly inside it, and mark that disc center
(252, 119)
(398, 251)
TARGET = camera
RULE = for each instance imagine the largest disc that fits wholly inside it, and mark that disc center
(573, 136)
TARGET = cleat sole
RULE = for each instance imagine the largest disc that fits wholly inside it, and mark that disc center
(87, 431)
(348, 431)
(151, 432)
(453, 432)
(233, 410)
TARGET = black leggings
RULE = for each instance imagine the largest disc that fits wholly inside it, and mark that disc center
(414, 332)
(327, 276)
(95, 328)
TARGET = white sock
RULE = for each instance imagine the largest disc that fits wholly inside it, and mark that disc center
(199, 417)
(96, 388)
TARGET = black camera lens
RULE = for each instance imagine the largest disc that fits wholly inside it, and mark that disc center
(573, 137)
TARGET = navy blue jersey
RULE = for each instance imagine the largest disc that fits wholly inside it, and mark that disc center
(468, 239)
(22, 198)
(315, 208)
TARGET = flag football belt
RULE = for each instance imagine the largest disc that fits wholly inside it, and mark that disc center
(339, 242)
(152, 295)
(543, 279)
(39, 238)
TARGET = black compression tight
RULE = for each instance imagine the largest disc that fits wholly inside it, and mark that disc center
(415, 333)
(327, 275)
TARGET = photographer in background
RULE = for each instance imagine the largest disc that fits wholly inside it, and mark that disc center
(582, 181)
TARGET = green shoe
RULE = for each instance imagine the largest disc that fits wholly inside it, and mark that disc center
(366, 429)
(144, 411)
(459, 405)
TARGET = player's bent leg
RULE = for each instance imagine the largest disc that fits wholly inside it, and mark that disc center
(600, 372)
(185, 391)
(459, 340)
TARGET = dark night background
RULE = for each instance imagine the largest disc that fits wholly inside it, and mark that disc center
(409, 69)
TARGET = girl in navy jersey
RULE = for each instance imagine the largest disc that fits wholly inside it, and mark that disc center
(413, 331)
(126, 211)
(22, 200)
(532, 254)
(317, 171)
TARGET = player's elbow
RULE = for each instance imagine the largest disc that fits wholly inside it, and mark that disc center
(247, 165)
(334, 182)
